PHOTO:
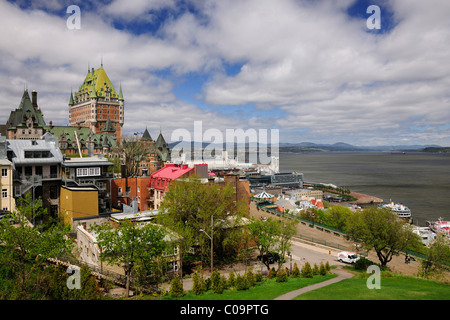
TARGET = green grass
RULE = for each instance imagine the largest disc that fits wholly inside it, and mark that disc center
(268, 289)
(394, 287)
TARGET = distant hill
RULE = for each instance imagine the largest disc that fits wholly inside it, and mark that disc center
(341, 146)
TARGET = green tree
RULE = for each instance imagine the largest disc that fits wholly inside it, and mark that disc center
(198, 285)
(25, 249)
(130, 243)
(295, 271)
(438, 257)
(176, 287)
(307, 271)
(189, 206)
(286, 229)
(381, 230)
(265, 235)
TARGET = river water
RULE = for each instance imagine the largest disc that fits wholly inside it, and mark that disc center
(420, 181)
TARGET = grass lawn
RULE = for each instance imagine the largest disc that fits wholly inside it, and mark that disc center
(396, 287)
(268, 289)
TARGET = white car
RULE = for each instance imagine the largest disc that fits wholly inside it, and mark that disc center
(348, 257)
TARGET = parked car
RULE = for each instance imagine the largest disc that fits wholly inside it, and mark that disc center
(270, 257)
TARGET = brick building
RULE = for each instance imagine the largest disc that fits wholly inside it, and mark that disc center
(97, 105)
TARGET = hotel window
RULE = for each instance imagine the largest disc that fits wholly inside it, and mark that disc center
(4, 193)
(4, 172)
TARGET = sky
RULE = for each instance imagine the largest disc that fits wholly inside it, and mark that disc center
(311, 69)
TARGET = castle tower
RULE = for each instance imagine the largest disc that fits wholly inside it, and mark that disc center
(97, 105)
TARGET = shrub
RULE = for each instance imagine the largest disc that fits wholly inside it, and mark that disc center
(258, 277)
(215, 281)
(251, 281)
(327, 266)
(315, 270)
(322, 270)
(272, 273)
(282, 276)
(241, 282)
(198, 286)
(207, 284)
(176, 287)
(363, 264)
(231, 279)
(295, 271)
(307, 271)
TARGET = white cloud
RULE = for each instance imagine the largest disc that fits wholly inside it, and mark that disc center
(329, 76)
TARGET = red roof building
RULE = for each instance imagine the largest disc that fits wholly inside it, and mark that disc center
(160, 180)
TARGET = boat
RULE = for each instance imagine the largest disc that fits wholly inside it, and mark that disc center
(426, 235)
(440, 226)
(401, 210)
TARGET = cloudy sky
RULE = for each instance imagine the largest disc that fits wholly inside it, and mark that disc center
(312, 69)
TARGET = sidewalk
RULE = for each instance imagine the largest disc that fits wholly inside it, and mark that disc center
(342, 274)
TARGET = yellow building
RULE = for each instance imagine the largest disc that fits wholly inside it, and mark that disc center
(78, 202)
(7, 202)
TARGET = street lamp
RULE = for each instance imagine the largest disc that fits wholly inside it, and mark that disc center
(210, 237)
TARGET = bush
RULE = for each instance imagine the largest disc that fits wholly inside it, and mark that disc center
(231, 279)
(295, 271)
(241, 282)
(198, 286)
(327, 266)
(176, 287)
(315, 270)
(251, 281)
(258, 277)
(363, 264)
(272, 273)
(282, 276)
(307, 271)
(322, 269)
(215, 281)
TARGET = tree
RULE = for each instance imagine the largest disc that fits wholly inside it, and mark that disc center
(132, 152)
(265, 236)
(307, 271)
(381, 230)
(438, 256)
(130, 243)
(285, 231)
(25, 249)
(189, 206)
(176, 287)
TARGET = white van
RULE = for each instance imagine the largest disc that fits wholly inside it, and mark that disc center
(348, 257)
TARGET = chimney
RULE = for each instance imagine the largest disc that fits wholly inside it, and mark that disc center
(51, 124)
(34, 99)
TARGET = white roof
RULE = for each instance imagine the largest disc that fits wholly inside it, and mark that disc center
(20, 146)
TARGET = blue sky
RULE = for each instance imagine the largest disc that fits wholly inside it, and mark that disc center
(312, 69)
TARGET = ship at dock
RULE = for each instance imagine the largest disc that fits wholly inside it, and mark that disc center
(440, 226)
(401, 210)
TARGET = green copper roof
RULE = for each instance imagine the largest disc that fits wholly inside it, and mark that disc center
(84, 135)
(95, 85)
(146, 136)
(108, 126)
(18, 117)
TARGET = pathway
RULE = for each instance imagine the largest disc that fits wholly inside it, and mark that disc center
(342, 275)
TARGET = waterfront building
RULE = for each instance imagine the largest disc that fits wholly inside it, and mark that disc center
(305, 194)
(97, 105)
(27, 121)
